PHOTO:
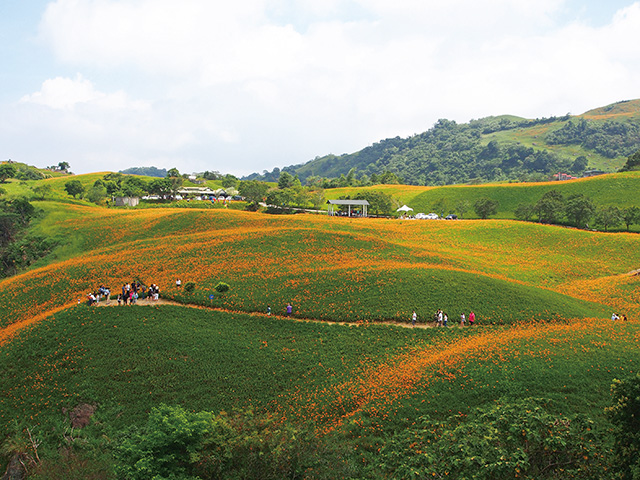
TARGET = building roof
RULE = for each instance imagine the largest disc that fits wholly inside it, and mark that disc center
(348, 202)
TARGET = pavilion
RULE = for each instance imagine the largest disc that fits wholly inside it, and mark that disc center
(362, 204)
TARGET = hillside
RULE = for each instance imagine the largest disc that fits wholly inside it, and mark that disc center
(333, 392)
(494, 149)
(614, 189)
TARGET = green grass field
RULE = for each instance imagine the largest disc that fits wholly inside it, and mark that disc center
(543, 296)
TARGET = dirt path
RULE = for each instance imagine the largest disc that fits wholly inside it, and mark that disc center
(8, 332)
(161, 301)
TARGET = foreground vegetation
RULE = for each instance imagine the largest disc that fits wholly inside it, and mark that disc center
(316, 400)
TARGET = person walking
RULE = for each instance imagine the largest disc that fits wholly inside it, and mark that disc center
(289, 309)
(472, 318)
(462, 319)
(269, 310)
(414, 317)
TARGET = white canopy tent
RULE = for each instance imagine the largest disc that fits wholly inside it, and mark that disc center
(404, 208)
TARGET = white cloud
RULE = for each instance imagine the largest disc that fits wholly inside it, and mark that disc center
(66, 93)
(259, 83)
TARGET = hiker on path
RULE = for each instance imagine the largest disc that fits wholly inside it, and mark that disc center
(414, 317)
(289, 309)
(269, 310)
(462, 320)
(445, 319)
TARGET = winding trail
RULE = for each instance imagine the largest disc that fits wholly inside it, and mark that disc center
(9, 331)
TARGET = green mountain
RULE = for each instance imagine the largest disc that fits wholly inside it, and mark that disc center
(492, 149)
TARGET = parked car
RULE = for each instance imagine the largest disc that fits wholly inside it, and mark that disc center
(451, 216)
(420, 216)
(432, 216)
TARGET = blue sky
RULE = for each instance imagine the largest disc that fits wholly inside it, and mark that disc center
(211, 85)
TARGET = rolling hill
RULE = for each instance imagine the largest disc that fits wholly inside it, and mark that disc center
(494, 149)
(333, 391)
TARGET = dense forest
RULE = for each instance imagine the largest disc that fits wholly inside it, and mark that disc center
(480, 151)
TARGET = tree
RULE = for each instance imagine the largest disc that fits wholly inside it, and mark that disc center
(74, 188)
(631, 216)
(64, 166)
(171, 443)
(229, 181)
(160, 187)
(380, 203)
(97, 193)
(133, 186)
(42, 191)
(550, 207)
(633, 163)
(523, 439)
(579, 209)
(485, 207)
(317, 198)
(440, 206)
(579, 164)
(7, 171)
(524, 212)
(608, 217)
(462, 207)
(281, 198)
(173, 173)
(625, 417)
(285, 181)
(253, 190)
(175, 180)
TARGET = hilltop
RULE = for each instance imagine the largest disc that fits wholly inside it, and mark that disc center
(495, 148)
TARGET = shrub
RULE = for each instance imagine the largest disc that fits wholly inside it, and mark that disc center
(625, 416)
(508, 440)
(222, 287)
(189, 287)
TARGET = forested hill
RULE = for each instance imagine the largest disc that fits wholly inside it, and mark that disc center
(492, 149)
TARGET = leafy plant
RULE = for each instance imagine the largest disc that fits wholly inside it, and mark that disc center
(189, 287)
(625, 416)
(221, 287)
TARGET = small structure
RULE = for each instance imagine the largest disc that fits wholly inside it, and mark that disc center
(127, 201)
(404, 208)
(362, 204)
(592, 173)
(563, 176)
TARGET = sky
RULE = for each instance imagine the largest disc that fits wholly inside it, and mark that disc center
(246, 86)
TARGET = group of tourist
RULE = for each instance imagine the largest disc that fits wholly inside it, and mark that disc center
(288, 310)
(95, 297)
(617, 316)
(441, 319)
(129, 294)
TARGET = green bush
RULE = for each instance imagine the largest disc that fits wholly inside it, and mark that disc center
(222, 287)
(509, 440)
(177, 444)
(189, 287)
(625, 416)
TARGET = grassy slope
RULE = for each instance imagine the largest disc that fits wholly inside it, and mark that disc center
(612, 189)
(339, 377)
(331, 268)
(534, 136)
(333, 376)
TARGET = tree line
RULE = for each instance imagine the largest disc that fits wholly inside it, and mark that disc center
(452, 153)
(576, 210)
